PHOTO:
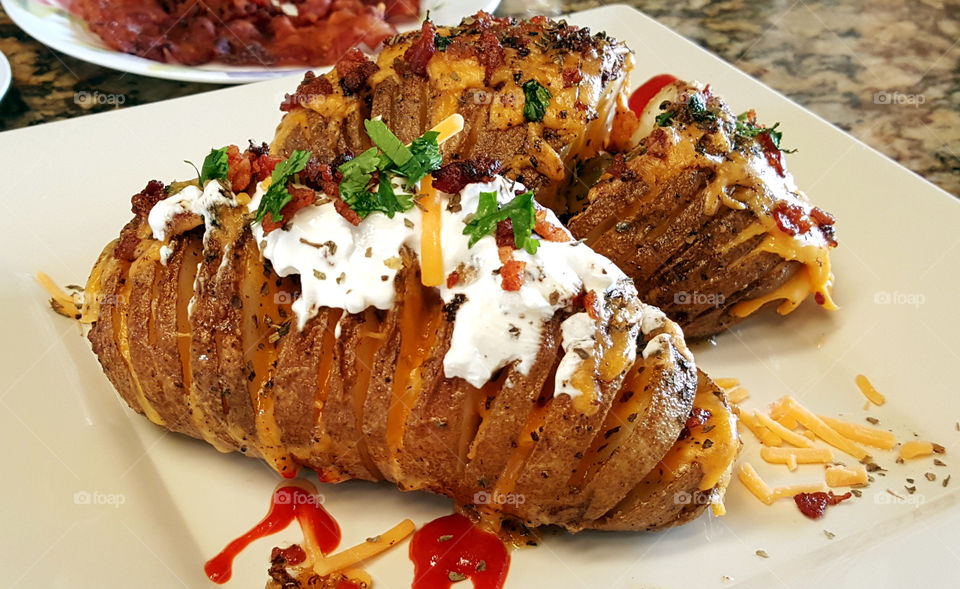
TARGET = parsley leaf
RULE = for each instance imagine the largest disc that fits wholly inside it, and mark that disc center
(277, 195)
(383, 138)
(698, 109)
(666, 119)
(425, 158)
(520, 211)
(214, 166)
(536, 100)
(747, 128)
(441, 42)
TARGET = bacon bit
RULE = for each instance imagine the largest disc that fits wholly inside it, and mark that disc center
(511, 275)
(354, 69)
(127, 247)
(818, 296)
(547, 230)
(813, 505)
(490, 55)
(618, 166)
(697, 418)
(302, 197)
(657, 143)
(452, 177)
(504, 235)
(580, 106)
(452, 279)
(590, 304)
(791, 218)
(291, 555)
(822, 217)
(419, 53)
(239, 169)
(144, 200)
(312, 85)
(263, 166)
(773, 153)
(346, 212)
(571, 76)
(505, 253)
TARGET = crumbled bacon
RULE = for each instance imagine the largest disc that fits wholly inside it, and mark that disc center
(504, 234)
(302, 197)
(453, 279)
(311, 86)
(239, 169)
(571, 76)
(822, 217)
(290, 556)
(819, 298)
(346, 212)
(813, 505)
(144, 200)
(590, 304)
(657, 143)
(419, 53)
(127, 246)
(617, 167)
(791, 218)
(772, 152)
(452, 177)
(548, 230)
(490, 55)
(511, 275)
(697, 418)
(354, 68)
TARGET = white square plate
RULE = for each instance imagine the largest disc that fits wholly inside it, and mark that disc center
(162, 504)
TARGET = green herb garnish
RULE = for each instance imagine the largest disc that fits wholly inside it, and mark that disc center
(698, 109)
(666, 119)
(441, 42)
(214, 166)
(390, 158)
(277, 195)
(520, 211)
(749, 129)
(536, 100)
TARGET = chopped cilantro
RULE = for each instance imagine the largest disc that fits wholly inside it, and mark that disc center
(666, 119)
(390, 158)
(214, 166)
(536, 100)
(748, 128)
(441, 42)
(520, 211)
(277, 195)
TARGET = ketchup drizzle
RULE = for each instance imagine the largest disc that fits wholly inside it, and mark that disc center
(289, 502)
(645, 93)
(451, 549)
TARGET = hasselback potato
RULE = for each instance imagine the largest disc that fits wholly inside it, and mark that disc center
(316, 343)
(705, 218)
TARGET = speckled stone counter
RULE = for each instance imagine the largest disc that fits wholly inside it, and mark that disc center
(887, 71)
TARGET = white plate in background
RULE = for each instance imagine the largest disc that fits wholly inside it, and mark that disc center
(66, 431)
(5, 75)
(50, 24)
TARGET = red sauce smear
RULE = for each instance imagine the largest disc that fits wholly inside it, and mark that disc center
(451, 549)
(645, 93)
(813, 505)
(289, 502)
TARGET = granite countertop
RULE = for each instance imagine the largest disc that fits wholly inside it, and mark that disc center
(887, 71)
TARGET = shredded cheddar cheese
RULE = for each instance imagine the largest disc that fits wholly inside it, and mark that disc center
(61, 302)
(738, 395)
(870, 436)
(766, 437)
(350, 557)
(868, 390)
(788, 436)
(841, 476)
(752, 481)
(821, 429)
(727, 383)
(431, 262)
(915, 449)
(794, 456)
(790, 491)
